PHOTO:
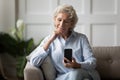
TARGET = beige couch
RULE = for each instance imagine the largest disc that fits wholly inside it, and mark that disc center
(108, 65)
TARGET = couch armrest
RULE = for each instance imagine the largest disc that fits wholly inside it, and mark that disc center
(32, 73)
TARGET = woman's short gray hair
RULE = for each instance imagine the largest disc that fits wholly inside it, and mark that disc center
(69, 10)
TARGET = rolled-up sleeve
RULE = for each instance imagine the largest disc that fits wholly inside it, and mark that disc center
(89, 64)
(38, 56)
(89, 59)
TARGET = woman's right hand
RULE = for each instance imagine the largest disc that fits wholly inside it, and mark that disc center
(51, 39)
(55, 34)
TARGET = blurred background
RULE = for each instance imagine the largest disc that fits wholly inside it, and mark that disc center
(98, 19)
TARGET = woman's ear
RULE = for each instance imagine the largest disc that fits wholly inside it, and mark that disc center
(72, 24)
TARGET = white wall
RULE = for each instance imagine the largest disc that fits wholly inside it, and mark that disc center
(7, 15)
(98, 19)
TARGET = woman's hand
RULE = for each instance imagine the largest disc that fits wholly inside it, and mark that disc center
(51, 39)
(70, 64)
(54, 35)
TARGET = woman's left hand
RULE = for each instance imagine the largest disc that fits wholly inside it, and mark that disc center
(70, 64)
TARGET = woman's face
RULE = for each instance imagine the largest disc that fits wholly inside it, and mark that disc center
(62, 23)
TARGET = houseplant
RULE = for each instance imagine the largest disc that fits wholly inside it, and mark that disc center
(14, 44)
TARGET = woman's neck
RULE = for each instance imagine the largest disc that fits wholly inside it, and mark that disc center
(65, 36)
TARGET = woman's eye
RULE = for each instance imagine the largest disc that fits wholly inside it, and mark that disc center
(67, 21)
(59, 20)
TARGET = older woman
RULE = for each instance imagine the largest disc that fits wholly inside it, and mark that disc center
(64, 37)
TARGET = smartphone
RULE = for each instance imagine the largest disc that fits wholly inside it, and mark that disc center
(68, 54)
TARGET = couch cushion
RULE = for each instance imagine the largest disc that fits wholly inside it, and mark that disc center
(108, 61)
(48, 69)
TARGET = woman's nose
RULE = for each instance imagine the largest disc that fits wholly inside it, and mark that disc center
(61, 24)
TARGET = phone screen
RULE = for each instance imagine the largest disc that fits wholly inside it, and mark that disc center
(68, 54)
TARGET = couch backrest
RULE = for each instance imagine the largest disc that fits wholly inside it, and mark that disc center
(108, 61)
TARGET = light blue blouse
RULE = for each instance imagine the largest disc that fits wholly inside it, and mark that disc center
(78, 42)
